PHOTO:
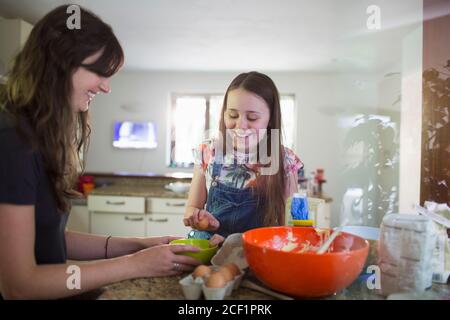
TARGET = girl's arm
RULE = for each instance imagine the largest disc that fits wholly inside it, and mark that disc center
(197, 193)
(196, 201)
(22, 278)
(84, 246)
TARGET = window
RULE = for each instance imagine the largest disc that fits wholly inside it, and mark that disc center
(194, 115)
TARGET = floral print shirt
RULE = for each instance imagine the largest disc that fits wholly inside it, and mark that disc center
(238, 174)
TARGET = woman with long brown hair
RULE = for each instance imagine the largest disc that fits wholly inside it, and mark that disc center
(44, 130)
(245, 176)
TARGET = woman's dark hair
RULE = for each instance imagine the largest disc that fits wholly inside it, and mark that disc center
(271, 188)
(39, 89)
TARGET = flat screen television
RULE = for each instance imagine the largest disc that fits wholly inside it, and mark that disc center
(134, 135)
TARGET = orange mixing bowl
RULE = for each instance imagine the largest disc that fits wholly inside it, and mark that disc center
(306, 274)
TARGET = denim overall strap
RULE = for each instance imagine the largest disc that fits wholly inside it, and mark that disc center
(236, 209)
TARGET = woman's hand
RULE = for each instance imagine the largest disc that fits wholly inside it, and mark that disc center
(163, 260)
(202, 220)
(156, 241)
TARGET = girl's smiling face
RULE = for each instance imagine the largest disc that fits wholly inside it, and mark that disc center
(246, 113)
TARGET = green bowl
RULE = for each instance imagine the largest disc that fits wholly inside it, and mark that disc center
(204, 255)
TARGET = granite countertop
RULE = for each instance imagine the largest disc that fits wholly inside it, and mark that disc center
(168, 288)
(148, 190)
(163, 288)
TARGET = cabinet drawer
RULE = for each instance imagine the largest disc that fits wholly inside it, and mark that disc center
(166, 224)
(166, 205)
(119, 225)
(116, 204)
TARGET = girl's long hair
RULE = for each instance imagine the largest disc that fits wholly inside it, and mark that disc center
(39, 88)
(270, 188)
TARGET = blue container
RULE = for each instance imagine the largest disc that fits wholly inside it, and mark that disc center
(299, 207)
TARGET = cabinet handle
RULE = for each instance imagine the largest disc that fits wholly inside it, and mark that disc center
(134, 219)
(159, 220)
(118, 203)
(168, 204)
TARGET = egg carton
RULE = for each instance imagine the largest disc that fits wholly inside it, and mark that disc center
(194, 288)
(232, 251)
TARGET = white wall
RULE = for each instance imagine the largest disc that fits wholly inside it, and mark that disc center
(411, 122)
(324, 103)
(13, 34)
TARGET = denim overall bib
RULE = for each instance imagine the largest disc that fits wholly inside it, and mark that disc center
(236, 209)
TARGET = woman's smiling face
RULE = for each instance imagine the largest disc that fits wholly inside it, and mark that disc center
(86, 84)
(246, 113)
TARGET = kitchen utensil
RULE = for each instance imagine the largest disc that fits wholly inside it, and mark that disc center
(204, 255)
(251, 285)
(330, 240)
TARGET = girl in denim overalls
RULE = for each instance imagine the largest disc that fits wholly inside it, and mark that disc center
(240, 190)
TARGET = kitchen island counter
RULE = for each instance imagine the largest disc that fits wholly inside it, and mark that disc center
(168, 288)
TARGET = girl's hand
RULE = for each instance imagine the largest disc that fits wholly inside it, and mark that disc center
(163, 260)
(216, 240)
(202, 220)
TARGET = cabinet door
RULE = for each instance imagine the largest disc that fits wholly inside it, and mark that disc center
(116, 224)
(166, 205)
(79, 219)
(164, 224)
(119, 204)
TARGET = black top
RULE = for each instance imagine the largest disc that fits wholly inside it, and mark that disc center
(23, 181)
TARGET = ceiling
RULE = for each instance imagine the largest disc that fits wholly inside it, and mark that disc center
(236, 35)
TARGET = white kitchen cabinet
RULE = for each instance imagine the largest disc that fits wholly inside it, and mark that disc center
(118, 224)
(118, 204)
(163, 224)
(136, 216)
(166, 205)
(117, 215)
(79, 219)
(165, 217)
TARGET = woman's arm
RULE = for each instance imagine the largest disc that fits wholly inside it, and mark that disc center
(22, 278)
(85, 246)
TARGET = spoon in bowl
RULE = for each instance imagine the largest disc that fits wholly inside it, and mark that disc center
(330, 240)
